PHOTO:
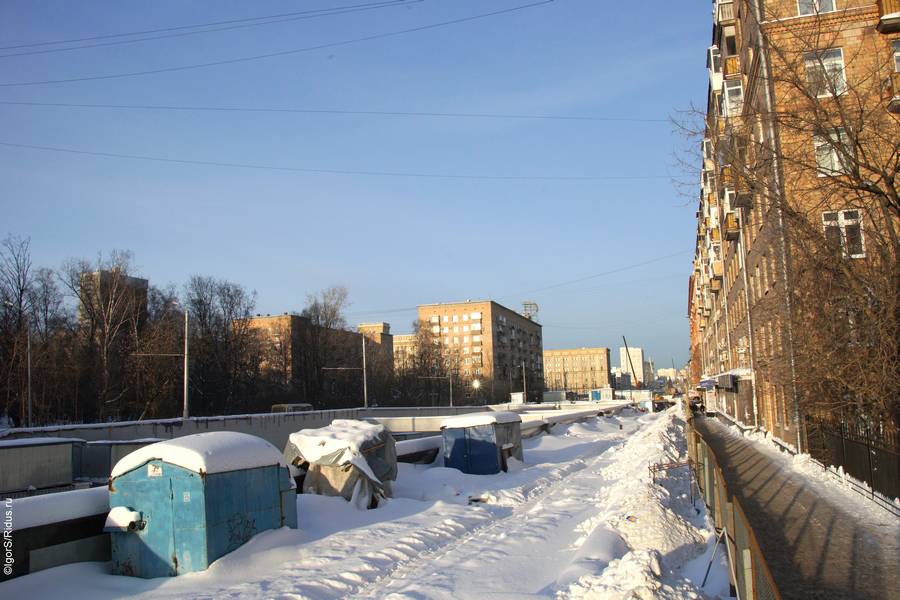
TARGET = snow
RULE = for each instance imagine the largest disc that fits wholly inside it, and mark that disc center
(833, 482)
(124, 442)
(345, 436)
(213, 452)
(62, 506)
(38, 441)
(413, 446)
(580, 518)
(485, 418)
(121, 517)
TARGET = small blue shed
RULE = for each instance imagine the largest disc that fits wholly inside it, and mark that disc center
(176, 506)
(480, 443)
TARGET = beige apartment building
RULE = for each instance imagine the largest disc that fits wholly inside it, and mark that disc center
(488, 342)
(577, 369)
(404, 351)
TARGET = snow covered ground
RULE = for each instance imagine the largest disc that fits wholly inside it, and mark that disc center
(580, 518)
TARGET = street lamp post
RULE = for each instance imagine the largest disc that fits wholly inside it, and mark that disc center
(476, 385)
(27, 358)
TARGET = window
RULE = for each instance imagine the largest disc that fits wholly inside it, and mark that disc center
(843, 231)
(734, 97)
(456, 318)
(812, 7)
(730, 41)
(436, 329)
(825, 72)
(435, 319)
(446, 318)
(832, 153)
(896, 45)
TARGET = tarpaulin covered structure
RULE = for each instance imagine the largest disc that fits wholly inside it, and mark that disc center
(353, 459)
(481, 443)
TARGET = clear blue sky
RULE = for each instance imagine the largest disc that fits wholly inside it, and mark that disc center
(394, 242)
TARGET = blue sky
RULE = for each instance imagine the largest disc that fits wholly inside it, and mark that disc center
(393, 241)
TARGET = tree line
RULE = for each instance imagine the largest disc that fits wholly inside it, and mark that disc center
(106, 345)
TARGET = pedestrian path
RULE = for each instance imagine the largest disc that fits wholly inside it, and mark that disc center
(819, 542)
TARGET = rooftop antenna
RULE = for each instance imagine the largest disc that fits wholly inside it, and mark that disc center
(529, 310)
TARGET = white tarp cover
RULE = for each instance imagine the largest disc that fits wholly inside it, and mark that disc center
(348, 458)
(481, 418)
(212, 452)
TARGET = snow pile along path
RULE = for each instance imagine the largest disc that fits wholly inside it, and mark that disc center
(662, 540)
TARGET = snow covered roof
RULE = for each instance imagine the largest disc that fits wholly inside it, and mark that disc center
(39, 441)
(346, 435)
(482, 418)
(213, 452)
(124, 442)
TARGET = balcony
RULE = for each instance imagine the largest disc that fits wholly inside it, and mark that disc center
(889, 11)
(732, 66)
(714, 234)
(727, 177)
(732, 230)
(717, 270)
(894, 103)
(743, 197)
(724, 13)
(715, 285)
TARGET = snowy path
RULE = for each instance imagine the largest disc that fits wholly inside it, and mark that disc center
(579, 519)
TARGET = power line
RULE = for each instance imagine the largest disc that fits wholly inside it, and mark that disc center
(619, 270)
(195, 26)
(625, 268)
(256, 57)
(388, 113)
(302, 15)
(234, 165)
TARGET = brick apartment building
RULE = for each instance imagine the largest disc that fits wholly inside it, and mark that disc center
(785, 79)
(481, 341)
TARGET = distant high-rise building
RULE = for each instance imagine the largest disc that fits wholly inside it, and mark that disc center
(635, 366)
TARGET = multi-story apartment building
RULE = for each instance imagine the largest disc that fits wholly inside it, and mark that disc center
(632, 362)
(292, 348)
(404, 351)
(795, 87)
(577, 369)
(486, 341)
(110, 295)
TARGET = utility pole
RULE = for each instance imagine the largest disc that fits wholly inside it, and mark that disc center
(186, 413)
(633, 372)
(28, 351)
(365, 383)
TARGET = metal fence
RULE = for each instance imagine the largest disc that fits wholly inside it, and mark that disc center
(867, 451)
(750, 574)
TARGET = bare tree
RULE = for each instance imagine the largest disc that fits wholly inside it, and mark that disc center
(108, 298)
(15, 287)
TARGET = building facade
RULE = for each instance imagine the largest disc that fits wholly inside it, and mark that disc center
(633, 362)
(783, 135)
(485, 341)
(577, 369)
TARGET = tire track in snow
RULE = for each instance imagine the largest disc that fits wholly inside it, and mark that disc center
(527, 523)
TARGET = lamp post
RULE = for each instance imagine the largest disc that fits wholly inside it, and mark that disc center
(185, 411)
(27, 328)
(476, 385)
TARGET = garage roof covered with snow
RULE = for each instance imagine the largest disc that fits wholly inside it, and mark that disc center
(482, 418)
(213, 452)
